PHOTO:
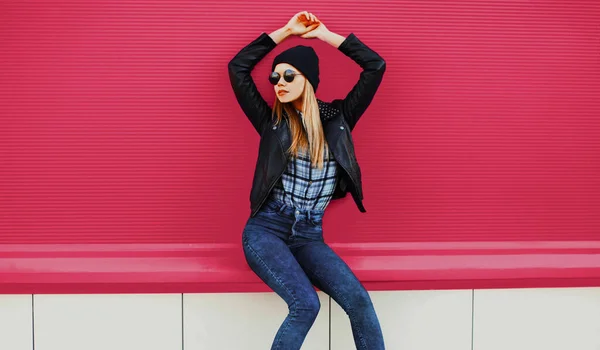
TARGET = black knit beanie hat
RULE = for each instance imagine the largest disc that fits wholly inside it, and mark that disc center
(305, 59)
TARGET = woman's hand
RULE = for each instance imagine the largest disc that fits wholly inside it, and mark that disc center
(319, 32)
(308, 26)
(302, 23)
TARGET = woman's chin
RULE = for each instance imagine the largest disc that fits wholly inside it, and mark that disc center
(285, 99)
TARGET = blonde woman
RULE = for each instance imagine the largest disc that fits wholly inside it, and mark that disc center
(305, 159)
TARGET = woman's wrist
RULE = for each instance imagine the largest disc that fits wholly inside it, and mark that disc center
(332, 38)
(280, 34)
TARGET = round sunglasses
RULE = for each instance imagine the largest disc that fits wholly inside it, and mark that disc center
(288, 76)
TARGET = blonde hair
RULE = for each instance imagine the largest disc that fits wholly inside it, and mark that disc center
(313, 135)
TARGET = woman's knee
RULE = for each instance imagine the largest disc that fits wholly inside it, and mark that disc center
(306, 305)
(359, 301)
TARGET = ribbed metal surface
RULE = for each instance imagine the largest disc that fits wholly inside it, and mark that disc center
(118, 123)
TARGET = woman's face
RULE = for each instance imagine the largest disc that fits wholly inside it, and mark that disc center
(288, 91)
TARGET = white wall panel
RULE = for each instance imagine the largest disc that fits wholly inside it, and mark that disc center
(246, 321)
(413, 320)
(108, 322)
(532, 319)
(15, 322)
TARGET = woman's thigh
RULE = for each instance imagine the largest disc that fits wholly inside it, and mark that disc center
(271, 259)
(331, 274)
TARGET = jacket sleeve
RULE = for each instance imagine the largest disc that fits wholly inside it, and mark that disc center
(253, 105)
(358, 99)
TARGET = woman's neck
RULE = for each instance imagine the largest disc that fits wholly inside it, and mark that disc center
(297, 104)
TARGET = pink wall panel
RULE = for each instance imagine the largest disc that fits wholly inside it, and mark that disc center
(118, 123)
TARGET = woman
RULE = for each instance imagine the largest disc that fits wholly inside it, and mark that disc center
(306, 158)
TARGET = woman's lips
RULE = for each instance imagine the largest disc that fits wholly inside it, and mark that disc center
(281, 92)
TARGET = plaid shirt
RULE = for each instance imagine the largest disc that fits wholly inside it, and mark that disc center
(302, 186)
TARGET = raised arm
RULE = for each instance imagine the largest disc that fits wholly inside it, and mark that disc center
(360, 96)
(240, 67)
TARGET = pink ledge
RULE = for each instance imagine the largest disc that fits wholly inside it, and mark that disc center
(221, 268)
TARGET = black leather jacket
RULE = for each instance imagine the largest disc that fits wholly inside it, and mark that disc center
(338, 118)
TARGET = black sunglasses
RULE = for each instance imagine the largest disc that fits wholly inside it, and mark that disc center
(288, 76)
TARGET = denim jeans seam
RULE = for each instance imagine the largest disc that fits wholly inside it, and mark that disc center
(271, 272)
(276, 212)
(317, 224)
(283, 331)
(350, 310)
(294, 300)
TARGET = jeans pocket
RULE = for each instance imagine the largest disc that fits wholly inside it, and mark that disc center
(270, 207)
(316, 219)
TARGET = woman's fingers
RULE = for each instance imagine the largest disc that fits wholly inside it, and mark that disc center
(309, 33)
(308, 16)
(308, 20)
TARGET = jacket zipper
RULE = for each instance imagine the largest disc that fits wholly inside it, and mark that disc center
(351, 179)
(269, 191)
(274, 182)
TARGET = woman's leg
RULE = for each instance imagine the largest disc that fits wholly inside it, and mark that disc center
(334, 277)
(270, 258)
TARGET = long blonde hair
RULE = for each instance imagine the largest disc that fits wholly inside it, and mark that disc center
(302, 138)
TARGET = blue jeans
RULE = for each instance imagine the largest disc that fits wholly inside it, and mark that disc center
(284, 246)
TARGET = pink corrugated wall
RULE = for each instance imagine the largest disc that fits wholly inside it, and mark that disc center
(118, 124)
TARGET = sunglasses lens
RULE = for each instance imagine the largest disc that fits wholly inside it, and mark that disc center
(289, 75)
(274, 78)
